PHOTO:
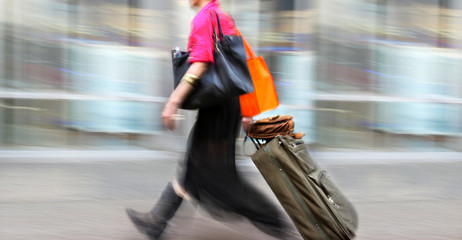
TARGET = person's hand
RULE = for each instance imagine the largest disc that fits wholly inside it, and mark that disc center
(170, 114)
(246, 123)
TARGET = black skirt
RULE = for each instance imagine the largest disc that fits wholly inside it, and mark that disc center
(209, 172)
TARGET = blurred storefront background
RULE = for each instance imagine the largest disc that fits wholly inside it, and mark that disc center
(356, 74)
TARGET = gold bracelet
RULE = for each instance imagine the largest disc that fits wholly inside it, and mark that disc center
(190, 78)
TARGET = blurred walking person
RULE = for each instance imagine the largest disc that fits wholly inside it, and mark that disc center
(208, 175)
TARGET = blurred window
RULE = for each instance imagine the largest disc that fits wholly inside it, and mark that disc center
(360, 73)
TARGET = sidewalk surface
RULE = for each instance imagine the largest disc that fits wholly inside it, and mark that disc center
(86, 200)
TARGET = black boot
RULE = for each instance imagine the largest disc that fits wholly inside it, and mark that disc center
(154, 222)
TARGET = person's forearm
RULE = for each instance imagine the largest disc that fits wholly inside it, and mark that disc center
(184, 88)
(198, 68)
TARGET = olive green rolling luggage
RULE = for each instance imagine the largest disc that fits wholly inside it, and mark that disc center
(309, 196)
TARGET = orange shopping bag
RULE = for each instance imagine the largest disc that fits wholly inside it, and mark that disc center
(264, 97)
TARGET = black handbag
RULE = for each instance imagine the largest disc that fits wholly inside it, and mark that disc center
(229, 77)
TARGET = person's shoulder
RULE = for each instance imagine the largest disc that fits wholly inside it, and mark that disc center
(202, 18)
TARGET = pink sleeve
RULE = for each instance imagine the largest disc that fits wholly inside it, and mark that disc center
(200, 40)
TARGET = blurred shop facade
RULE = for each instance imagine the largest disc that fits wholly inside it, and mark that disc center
(362, 74)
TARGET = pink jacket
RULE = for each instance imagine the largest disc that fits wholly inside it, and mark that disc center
(200, 39)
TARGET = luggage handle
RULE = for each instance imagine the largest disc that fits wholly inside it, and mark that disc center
(258, 144)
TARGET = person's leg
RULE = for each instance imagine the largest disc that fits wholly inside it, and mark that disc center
(213, 178)
(180, 191)
(154, 222)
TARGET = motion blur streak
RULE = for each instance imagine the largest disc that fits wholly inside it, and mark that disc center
(376, 86)
(99, 71)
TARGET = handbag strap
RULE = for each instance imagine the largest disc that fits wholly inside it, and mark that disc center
(220, 32)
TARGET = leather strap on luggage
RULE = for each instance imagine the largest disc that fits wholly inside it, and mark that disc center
(264, 130)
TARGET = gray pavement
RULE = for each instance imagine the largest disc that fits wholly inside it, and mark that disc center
(61, 200)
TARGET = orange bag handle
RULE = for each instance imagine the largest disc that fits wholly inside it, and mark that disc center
(248, 49)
